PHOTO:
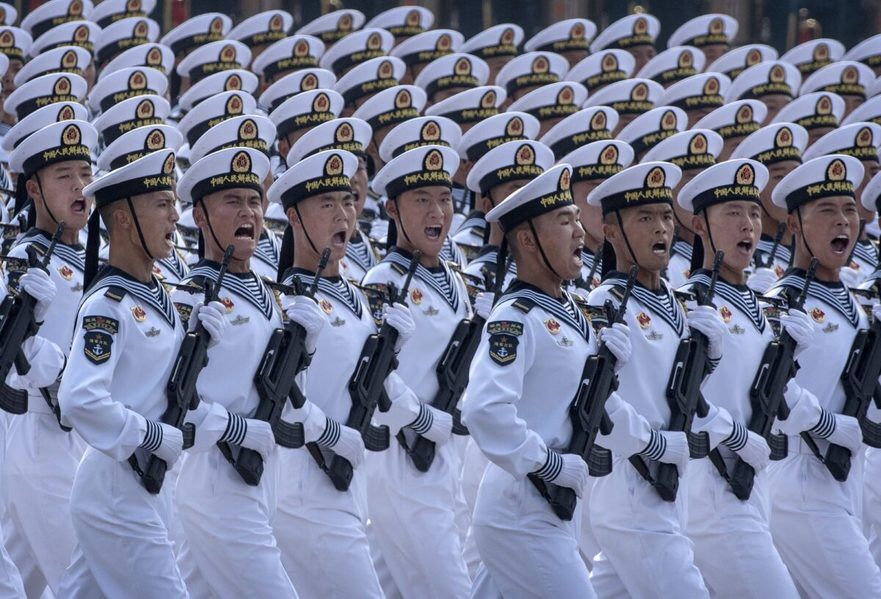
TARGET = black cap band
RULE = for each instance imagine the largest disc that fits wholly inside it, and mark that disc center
(536, 207)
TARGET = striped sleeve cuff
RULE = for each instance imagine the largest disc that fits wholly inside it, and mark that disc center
(331, 434)
(737, 439)
(236, 429)
(552, 466)
(656, 447)
(153, 438)
(423, 422)
(826, 426)
(712, 364)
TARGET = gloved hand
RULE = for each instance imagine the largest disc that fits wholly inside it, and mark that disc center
(850, 277)
(399, 318)
(164, 441)
(46, 360)
(483, 304)
(259, 437)
(761, 280)
(617, 339)
(669, 447)
(800, 327)
(306, 313)
(565, 470)
(750, 446)
(847, 432)
(348, 443)
(706, 320)
(433, 424)
(213, 318)
(37, 284)
(804, 410)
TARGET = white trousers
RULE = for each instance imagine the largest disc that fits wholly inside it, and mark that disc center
(526, 550)
(11, 586)
(123, 548)
(414, 522)
(644, 550)
(321, 532)
(815, 522)
(41, 461)
(872, 502)
(229, 548)
(733, 547)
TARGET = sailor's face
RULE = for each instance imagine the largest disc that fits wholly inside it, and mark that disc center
(562, 238)
(61, 188)
(829, 229)
(235, 216)
(423, 218)
(157, 216)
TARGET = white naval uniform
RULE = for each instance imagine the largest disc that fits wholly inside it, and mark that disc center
(469, 236)
(41, 459)
(865, 257)
(229, 549)
(679, 267)
(645, 552)
(524, 376)
(732, 539)
(872, 474)
(265, 259)
(816, 520)
(782, 255)
(360, 257)
(450, 252)
(413, 513)
(483, 267)
(322, 532)
(172, 269)
(126, 338)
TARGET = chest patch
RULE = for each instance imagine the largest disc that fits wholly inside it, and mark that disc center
(503, 341)
(98, 340)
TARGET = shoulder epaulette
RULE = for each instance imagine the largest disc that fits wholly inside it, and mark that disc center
(401, 270)
(616, 292)
(115, 293)
(523, 304)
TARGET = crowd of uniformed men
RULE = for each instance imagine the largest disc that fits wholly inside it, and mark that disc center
(518, 182)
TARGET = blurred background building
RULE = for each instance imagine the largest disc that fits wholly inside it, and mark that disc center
(779, 23)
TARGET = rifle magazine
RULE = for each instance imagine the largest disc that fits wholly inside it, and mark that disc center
(288, 434)
(871, 432)
(599, 461)
(779, 445)
(14, 401)
(698, 445)
(458, 427)
(376, 438)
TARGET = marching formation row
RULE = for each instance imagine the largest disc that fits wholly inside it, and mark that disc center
(372, 310)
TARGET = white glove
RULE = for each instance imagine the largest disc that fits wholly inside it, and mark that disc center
(800, 327)
(483, 304)
(379, 229)
(804, 410)
(847, 433)
(213, 318)
(850, 277)
(259, 437)
(330, 434)
(164, 441)
(750, 446)
(617, 339)
(306, 313)
(706, 319)
(46, 360)
(37, 284)
(761, 280)
(669, 447)
(399, 317)
(565, 470)
(348, 444)
(433, 424)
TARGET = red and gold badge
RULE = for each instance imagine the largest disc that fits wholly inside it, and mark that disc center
(416, 296)
(818, 315)
(644, 320)
(725, 313)
(65, 272)
(552, 326)
(326, 306)
(227, 303)
(139, 314)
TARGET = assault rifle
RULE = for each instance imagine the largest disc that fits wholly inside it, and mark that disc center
(191, 358)
(587, 411)
(766, 394)
(684, 391)
(284, 357)
(367, 387)
(17, 323)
